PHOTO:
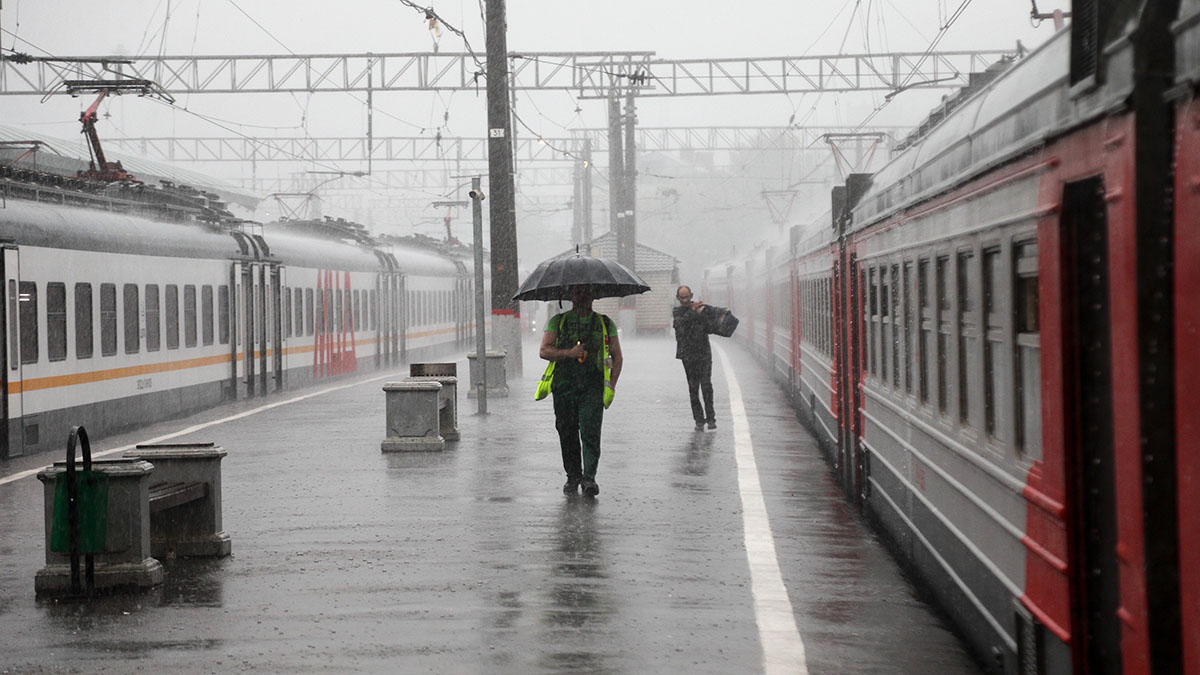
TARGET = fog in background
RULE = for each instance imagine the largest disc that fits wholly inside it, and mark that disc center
(696, 206)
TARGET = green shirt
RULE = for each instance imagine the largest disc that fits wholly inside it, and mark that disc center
(572, 328)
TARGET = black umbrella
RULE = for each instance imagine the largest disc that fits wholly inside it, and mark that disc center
(553, 279)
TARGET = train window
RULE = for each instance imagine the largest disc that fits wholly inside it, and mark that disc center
(83, 321)
(28, 318)
(329, 311)
(374, 313)
(895, 326)
(206, 315)
(298, 304)
(993, 344)
(308, 311)
(320, 320)
(108, 319)
(884, 327)
(285, 312)
(942, 284)
(189, 316)
(223, 314)
(337, 311)
(358, 317)
(926, 322)
(56, 321)
(153, 319)
(907, 312)
(968, 333)
(132, 314)
(872, 323)
(348, 310)
(1028, 369)
(171, 310)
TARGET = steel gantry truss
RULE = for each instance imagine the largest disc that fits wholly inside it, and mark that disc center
(586, 74)
(453, 148)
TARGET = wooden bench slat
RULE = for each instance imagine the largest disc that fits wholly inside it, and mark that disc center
(168, 495)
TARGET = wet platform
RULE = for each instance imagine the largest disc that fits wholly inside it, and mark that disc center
(347, 559)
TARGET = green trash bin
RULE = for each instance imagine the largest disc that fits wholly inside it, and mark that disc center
(91, 498)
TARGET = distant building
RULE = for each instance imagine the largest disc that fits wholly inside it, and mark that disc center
(659, 270)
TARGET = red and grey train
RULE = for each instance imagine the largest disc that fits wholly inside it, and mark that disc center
(996, 338)
(123, 310)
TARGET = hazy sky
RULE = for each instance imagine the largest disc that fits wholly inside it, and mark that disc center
(671, 28)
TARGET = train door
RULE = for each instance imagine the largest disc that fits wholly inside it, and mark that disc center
(1088, 431)
(278, 278)
(262, 324)
(401, 318)
(246, 283)
(11, 431)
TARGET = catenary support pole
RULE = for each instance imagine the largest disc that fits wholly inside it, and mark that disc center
(480, 326)
(627, 235)
(586, 193)
(506, 312)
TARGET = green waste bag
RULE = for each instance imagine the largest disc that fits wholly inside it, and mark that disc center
(91, 492)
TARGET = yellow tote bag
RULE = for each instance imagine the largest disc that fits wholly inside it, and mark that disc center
(609, 392)
(543, 387)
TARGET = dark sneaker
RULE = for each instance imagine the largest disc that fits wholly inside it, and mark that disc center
(571, 486)
(699, 426)
(712, 424)
(589, 487)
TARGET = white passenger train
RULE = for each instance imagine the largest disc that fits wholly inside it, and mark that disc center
(117, 314)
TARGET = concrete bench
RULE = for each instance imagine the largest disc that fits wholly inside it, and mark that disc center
(183, 499)
(414, 415)
(447, 404)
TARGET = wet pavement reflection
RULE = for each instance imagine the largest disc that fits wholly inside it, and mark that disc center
(472, 560)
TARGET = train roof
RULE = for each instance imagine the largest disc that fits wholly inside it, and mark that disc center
(1016, 113)
(33, 223)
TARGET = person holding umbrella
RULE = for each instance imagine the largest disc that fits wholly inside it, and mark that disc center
(579, 375)
(574, 340)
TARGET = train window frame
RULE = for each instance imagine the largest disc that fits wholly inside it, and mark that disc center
(27, 319)
(85, 346)
(1027, 423)
(131, 314)
(56, 321)
(967, 282)
(308, 312)
(926, 325)
(171, 314)
(189, 316)
(223, 314)
(153, 318)
(907, 347)
(298, 312)
(895, 325)
(945, 332)
(108, 319)
(995, 302)
(373, 313)
(206, 314)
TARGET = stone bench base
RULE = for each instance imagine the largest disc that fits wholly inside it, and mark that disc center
(415, 444)
(56, 579)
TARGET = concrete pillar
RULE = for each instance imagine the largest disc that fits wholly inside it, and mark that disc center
(497, 376)
(413, 416)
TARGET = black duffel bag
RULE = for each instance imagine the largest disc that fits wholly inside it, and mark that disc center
(721, 321)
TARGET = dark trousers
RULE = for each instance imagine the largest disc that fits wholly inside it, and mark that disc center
(699, 378)
(578, 414)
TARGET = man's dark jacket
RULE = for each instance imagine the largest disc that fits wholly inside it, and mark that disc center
(691, 334)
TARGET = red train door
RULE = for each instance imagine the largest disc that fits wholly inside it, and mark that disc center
(1088, 430)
